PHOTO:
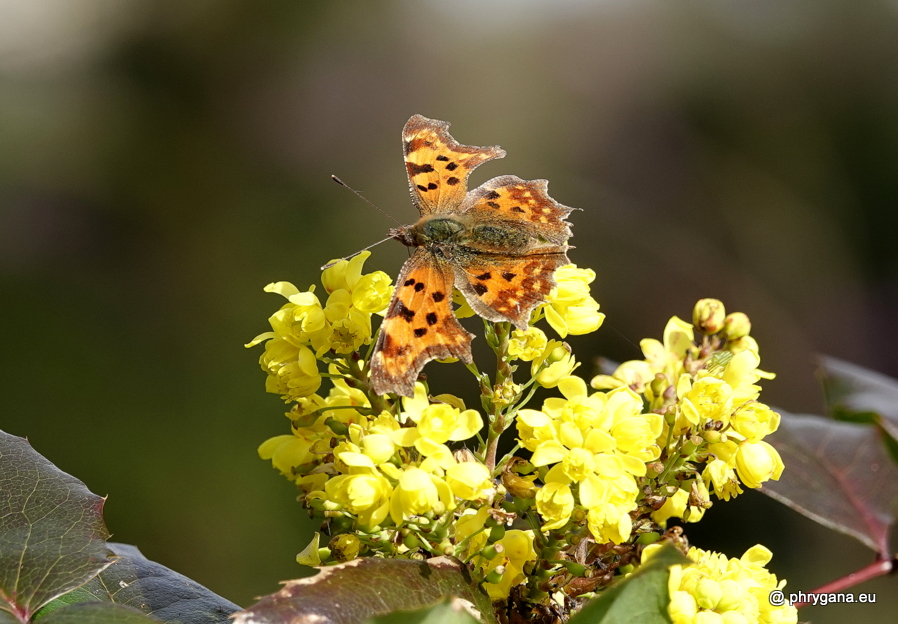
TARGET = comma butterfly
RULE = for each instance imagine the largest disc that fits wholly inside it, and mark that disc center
(499, 244)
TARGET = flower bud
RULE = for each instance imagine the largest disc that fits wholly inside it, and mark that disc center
(496, 533)
(708, 316)
(736, 326)
(345, 547)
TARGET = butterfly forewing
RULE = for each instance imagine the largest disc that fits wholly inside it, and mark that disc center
(419, 326)
(526, 202)
(438, 166)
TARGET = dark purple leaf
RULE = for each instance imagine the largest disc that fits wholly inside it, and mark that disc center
(838, 474)
(854, 389)
(97, 613)
(135, 581)
(52, 536)
(353, 592)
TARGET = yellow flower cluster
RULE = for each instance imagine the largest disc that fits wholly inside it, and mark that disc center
(594, 446)
(374, 473)
(303, 330)
(717, 590)
(708, 391)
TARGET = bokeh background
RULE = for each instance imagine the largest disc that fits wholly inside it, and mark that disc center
(160, 162)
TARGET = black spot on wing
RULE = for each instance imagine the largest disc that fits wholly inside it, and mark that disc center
(433, 185)
(508, 276)
(443, 158)
(416, 169)
(517, 209)
(431, 318)
(438, 296)
(452, 181)
(492, 195)
(404, 312)
(409, 282)
(420, 332)
(480, 289)
(484, 276)
(419, 286)
(451, 166)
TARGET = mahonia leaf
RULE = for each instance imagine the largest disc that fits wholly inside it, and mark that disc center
(857, 392)
(352, 592)
(448, 612)
(642, 597)
(52, 536)
(97, 613)
(838, 474)
(135, 581)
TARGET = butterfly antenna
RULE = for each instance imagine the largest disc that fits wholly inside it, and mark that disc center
(342, 183)
(330, 264)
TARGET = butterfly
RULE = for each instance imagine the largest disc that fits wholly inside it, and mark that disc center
(498, 244)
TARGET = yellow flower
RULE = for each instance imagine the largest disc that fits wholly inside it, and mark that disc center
(610, 523)
(708, 399)
(527, 345)
(436, 422)
(372, 293)
(722, 476)
(470, 481)
(757, 462)
(754, 421)
(569, 308)
(417, 493)
(636, 374)
(667, 357)
(292, 371)
(345, 274)
(555, 503)
(367, 495)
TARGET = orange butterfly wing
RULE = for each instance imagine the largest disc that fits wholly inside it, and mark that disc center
(503, 288)
(519, 238)
(438, 166)
(419, 326)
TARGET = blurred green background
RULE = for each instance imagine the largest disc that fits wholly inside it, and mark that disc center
(160, 162)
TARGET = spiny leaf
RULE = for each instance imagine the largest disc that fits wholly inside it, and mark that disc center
(350, 593)
(838, 474)
(52, 536)
(642, 597)
(135, 581)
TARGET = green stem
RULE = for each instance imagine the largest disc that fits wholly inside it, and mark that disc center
(503, 374)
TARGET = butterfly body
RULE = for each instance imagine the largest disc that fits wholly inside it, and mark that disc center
(498, 244)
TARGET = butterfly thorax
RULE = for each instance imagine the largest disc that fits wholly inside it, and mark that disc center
(463, 230)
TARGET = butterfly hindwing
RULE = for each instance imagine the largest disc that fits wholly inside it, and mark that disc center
(507, 288)
(438, 166)
(419, 325)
